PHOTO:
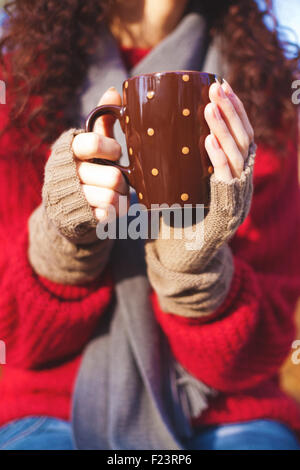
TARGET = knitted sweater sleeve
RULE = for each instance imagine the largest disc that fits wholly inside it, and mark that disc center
(42, 322)
(246, 339)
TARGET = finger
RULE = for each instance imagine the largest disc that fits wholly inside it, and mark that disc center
(109, 213)
(231, 118)
(105, 176)
(98, 197)
(218, 159)
(105, 124)
(92, 145)
(106, 200)
(240, 109)
(219, 128)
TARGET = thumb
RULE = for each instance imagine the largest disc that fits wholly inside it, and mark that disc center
(104, 125)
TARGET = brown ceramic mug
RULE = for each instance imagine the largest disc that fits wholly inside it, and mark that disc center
(163, 120)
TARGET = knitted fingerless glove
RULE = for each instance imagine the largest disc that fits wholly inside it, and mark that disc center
(194, 283)
(63, 244)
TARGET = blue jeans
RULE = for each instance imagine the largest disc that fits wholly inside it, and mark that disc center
(261, 434)
(36, 433)
(42, 433)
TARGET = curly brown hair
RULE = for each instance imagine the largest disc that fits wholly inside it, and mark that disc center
(49, 42)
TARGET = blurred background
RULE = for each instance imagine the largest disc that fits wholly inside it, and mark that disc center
(288, 15)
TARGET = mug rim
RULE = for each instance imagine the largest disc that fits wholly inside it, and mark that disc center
(168, 72)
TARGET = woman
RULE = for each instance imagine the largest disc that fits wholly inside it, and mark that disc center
(226, 312)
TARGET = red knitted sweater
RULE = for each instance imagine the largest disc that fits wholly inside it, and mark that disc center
(45, 326)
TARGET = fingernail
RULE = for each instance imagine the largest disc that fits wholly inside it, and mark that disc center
(109, 90)
(221, 92)
(214, 142)
(228, 89)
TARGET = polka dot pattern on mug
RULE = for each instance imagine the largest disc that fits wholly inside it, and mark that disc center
(185, 150)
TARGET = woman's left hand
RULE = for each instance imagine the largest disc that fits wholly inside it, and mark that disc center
(231, 132)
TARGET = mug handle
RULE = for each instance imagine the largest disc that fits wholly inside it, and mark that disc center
(118, 113)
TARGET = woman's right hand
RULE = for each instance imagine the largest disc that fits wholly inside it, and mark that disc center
(102, 184)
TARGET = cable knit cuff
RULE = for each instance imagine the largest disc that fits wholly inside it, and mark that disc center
(63, 198)
(232, 200)
(195, 283)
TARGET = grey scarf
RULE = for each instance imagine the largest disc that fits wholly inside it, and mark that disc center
(130, 392)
